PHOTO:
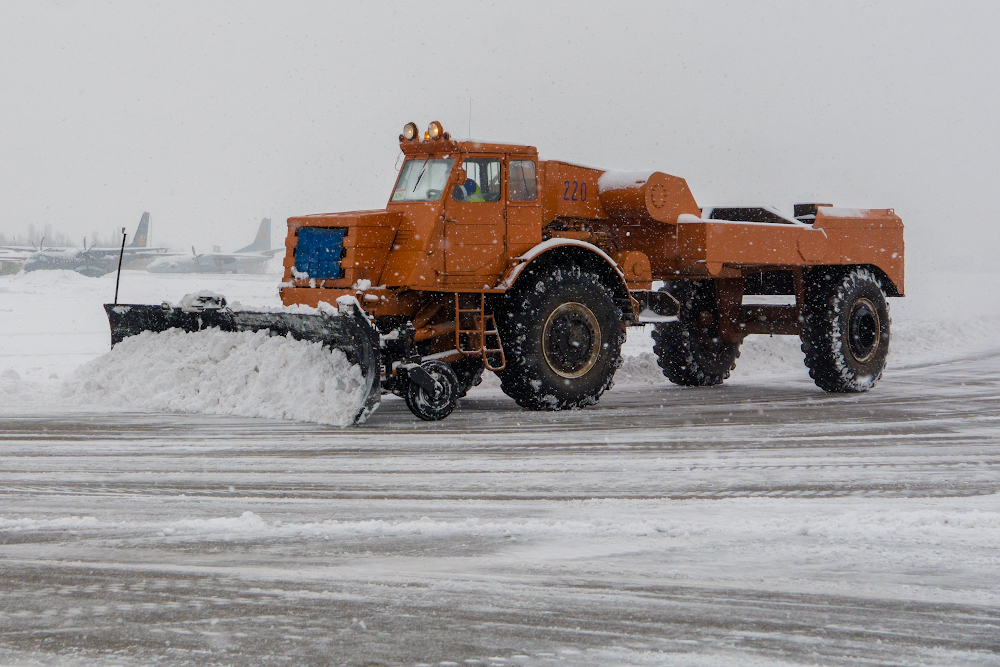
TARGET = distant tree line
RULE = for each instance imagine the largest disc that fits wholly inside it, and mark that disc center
(36, 236)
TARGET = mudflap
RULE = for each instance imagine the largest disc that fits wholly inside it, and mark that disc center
(347, 330)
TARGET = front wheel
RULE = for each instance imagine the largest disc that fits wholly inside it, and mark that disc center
(845, 329)
(433, 404)
(562, 336)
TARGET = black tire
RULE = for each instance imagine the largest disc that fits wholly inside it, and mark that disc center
(433, 407)
(469, 370)
(562, 337)
(845, 306)
(690, 351)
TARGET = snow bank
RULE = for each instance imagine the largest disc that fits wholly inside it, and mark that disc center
(923, 525)
(10, 384)
(250, 525)
(742, 518)
(46, 280)
(15, 391)
(771, 357)
(640, 369)
(216, 372)
(760, 357)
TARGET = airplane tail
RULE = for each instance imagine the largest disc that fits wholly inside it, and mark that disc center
(263, 240)
(141, 234)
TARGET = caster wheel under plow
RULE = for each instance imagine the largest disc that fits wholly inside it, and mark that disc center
(433, 391)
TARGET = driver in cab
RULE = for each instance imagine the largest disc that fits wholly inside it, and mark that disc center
(468, 192)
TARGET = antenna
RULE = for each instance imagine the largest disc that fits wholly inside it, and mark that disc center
(119, 276)
(470, 117)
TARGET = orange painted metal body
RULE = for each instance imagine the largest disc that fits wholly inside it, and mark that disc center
(408, 259)
(858, 236)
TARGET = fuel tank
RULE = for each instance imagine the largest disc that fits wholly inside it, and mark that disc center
(645, 197)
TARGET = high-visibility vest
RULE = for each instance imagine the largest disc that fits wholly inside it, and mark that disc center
(476, 195)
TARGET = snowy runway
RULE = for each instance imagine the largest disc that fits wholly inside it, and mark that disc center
(740, 525)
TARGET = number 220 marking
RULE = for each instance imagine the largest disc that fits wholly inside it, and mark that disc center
(579, 191)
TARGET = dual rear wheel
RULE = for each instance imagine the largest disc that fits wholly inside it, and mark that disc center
(690, 351)
(845, 331)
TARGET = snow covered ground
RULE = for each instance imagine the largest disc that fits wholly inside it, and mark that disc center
(759, 523)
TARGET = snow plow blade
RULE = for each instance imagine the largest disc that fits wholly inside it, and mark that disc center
(348, 331)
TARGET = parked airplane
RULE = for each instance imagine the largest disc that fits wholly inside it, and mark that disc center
(92, 261)
(11, 259)
(251, 259)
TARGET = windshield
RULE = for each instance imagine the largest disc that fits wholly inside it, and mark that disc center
(422, 180)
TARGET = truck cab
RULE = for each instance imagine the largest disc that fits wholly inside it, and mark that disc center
(467, 208)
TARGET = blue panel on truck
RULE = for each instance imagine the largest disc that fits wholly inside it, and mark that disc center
(319, 251)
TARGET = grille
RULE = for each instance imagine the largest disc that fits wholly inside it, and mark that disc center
(319, 251)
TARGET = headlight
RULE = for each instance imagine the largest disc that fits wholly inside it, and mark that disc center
(410, 131)
(434, 130)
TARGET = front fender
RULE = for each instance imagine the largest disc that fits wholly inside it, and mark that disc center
(541, 253)
(560, 252)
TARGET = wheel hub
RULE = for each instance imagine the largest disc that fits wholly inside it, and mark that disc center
(441, 393)
(864, 329)
(571, 340)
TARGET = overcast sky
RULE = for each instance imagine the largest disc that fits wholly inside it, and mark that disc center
(213, 115)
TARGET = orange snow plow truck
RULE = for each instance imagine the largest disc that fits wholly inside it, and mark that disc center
(487, 258)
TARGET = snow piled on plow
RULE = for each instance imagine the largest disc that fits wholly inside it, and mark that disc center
(250, 374)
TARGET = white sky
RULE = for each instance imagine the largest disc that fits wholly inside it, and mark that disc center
(213, 115)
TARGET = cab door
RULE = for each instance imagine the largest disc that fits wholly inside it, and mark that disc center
(524, 208)
(475, 224)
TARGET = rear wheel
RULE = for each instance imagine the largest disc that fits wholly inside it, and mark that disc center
(690, 351)
(845, 329)
(562, 338)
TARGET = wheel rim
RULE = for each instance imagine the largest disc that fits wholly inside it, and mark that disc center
(864, 330)
(571, 340)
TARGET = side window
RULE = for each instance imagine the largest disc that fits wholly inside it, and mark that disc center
(482, 181)
(521, 182)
